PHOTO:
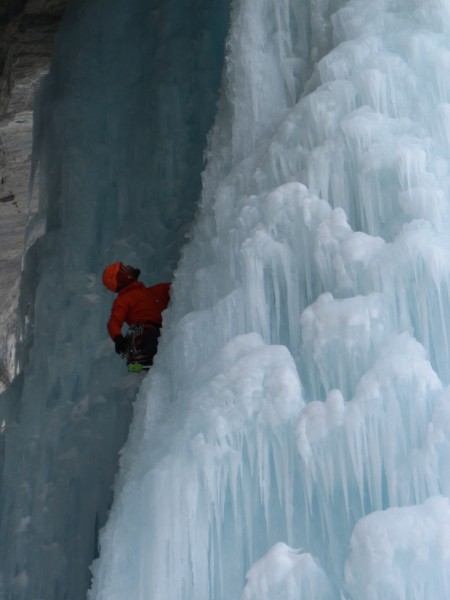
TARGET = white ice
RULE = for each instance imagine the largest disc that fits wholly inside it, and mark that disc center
(292, 439)
(323, 228)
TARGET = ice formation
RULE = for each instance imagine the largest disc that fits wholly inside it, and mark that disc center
(119, 179)
(291, 440)
(323, 229)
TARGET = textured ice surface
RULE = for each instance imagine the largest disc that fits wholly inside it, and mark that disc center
(120, 129)
(286, 573)
(292, 438)
(323, 228)
(402, 553)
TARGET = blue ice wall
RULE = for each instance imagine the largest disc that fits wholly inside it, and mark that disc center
(292, 439)
(120, 130)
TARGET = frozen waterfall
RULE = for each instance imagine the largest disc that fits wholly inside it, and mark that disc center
(120, 129)
(292, 439)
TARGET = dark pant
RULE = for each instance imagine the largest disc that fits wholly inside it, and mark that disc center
(143, 345)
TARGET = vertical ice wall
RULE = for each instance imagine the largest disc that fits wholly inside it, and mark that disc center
(121, 125)
(291, 440)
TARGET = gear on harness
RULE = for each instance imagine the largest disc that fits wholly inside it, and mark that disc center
(142, 343)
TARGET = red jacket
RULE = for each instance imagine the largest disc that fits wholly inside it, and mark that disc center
(136, 304)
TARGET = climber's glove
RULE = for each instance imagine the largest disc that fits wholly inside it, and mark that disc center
(121, 344)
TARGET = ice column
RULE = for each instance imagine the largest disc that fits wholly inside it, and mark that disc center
(296, 423)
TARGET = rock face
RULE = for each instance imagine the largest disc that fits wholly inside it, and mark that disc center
(27, 32)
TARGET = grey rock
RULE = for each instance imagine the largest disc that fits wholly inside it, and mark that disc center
(27, 32)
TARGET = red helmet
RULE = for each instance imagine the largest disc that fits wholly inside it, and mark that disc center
(109, 277)
(116, 276)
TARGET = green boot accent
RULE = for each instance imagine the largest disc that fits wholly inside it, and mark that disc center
(135, 368)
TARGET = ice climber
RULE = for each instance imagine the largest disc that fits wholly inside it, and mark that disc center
(141, 308)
